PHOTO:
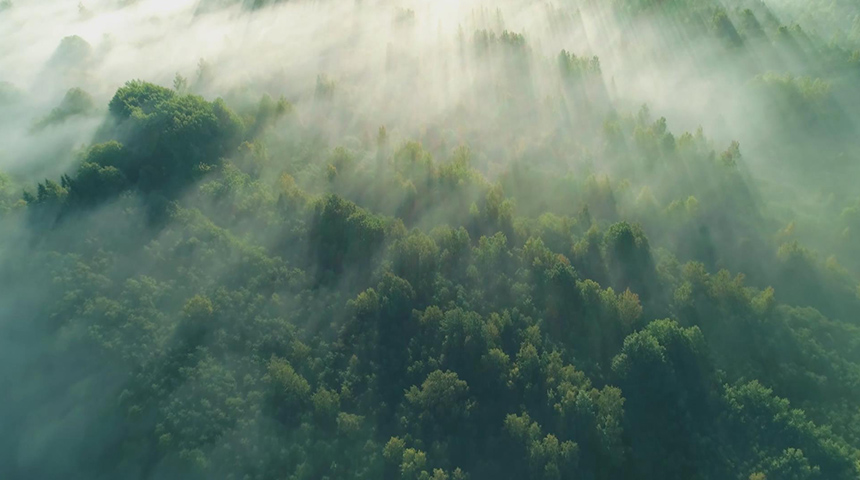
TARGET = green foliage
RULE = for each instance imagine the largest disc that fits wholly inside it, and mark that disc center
(572, 66)
(75, 102)
(139, 99)
(325, 88)
(344, 234)
(293, 291)
(628, 258)
(73, 52)
(180, 84)
(491, 343)
(509, 43)
(724, 28)
(291, 390)
(158, 140)
(547, 457)
(8, 194)
(442, 399)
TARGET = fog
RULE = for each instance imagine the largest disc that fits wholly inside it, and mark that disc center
(727, 131)
(284, 48)
(394, 63)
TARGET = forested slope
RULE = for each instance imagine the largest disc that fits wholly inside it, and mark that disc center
(491, 256)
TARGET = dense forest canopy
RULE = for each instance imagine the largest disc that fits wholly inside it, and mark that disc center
(324, 239)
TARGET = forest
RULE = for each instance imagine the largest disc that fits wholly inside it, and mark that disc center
(454, 240)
